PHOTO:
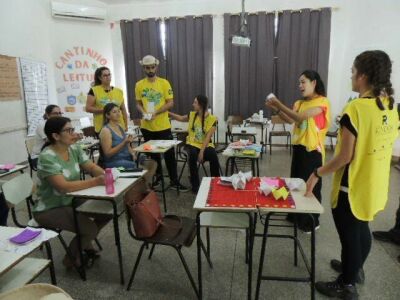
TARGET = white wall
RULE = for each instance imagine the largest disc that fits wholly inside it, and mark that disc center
(28, 30)
(357, 25)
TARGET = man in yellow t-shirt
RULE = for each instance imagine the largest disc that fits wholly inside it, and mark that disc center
(154, 97)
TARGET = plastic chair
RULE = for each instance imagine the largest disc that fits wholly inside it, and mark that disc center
(232, 120)
(332, 134)
(30, 144)
(36, 291)
(276, 120)
(176, 232)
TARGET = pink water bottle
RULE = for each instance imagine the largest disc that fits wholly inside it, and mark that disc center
(109, 182)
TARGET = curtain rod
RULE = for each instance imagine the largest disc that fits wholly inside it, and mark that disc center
(235, 14)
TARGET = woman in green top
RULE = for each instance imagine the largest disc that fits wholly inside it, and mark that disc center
(58, 173)
(199, 146)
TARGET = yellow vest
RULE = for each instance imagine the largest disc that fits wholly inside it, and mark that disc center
(196, 135)
(307, 133)
(102, 99)
(370, 167)
(153, 95)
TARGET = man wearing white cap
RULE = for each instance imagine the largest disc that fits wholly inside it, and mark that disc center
(154, 97)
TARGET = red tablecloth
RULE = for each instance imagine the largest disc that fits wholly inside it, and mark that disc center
(226, 196)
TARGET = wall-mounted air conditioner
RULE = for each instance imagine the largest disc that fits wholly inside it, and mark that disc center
(78, 11)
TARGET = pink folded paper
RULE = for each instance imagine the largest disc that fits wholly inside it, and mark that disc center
(271, 181)
(7, 166)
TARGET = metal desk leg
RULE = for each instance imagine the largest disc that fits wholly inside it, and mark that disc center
(199, 274)
(258, 168)
(261, 264)
(312, 258)
(81, 268)
(163, 184)
(118, 241)
(51, 266)
(250, 254)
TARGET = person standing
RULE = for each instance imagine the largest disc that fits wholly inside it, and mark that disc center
(154, 98)
(102, 93)
(311, 119)
(361, 165)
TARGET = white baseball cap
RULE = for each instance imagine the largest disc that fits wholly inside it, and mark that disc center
(149, 60)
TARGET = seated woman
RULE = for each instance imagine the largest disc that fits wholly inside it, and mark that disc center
(58, 173)
(202, 126)
(40, 137)
(116, 144)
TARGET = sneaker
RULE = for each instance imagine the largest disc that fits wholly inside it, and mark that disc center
(337, 266)
(387, 236)
(337, 289)
(182, 188)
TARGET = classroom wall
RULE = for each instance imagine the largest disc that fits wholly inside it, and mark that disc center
(28, 30)
(357, 25)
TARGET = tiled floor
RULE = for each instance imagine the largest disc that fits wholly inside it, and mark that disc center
(163, 277)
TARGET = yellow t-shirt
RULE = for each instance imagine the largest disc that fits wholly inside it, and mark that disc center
(369, 169)
(153, 95)
(312, 131)
(102, 99)
(196, 134)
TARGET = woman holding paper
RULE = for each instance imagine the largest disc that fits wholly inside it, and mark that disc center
(361, 165)
(311, 118)
(116, 144)
(199, 146)
(59, 166)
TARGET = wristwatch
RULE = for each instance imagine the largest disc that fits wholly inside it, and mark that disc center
(315, 172)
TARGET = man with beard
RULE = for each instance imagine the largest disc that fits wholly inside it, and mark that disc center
(154, 97)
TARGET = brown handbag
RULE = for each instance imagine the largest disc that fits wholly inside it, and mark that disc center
(144, 210)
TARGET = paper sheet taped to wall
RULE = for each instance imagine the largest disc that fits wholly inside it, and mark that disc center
(10, 86)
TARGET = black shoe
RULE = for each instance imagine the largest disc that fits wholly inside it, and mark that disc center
(337, 289)
(182, 188)
(307, 227)
(337, 266)
(387, 236)
(156, 183)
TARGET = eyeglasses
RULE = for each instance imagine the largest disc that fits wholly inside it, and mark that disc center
(106, 75)
(69, 130)
(149, 67)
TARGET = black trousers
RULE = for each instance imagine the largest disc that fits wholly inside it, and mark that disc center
(3, 210)
(169, 156)
(209, 155)
(396, 227)
(303, 164)
(355, 238)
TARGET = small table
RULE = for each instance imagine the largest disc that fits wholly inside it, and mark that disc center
(121, 185)
(233, 154)
(244, 131)
(16, 269)
(159, 147)
(257, 122)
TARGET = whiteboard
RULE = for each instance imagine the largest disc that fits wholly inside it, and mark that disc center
(35, 86)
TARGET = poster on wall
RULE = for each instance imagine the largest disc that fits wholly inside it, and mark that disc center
(10, 88)
(74, 68)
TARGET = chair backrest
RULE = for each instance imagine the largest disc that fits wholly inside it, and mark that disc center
(233, 120)
(278, 120)
(89, 131)
(30, 144)
(18, 189)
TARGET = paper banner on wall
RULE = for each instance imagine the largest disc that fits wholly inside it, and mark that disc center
(10, 86)
(74, 68)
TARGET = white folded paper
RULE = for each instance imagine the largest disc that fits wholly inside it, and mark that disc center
(115, 173)
(265, 188)
(294, 184)
(238, 181)
(271, 95)
(147, 116)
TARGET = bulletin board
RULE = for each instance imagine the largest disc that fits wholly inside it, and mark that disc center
(35, 86)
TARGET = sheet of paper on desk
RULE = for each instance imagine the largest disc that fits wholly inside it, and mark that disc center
(294, 184)
(271, 181)
(132, 174)
(165, 143)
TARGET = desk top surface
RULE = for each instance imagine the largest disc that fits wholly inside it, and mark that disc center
(158, 146)
(244, 130)
(99, 192)
(303, 204)
(16, 169)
